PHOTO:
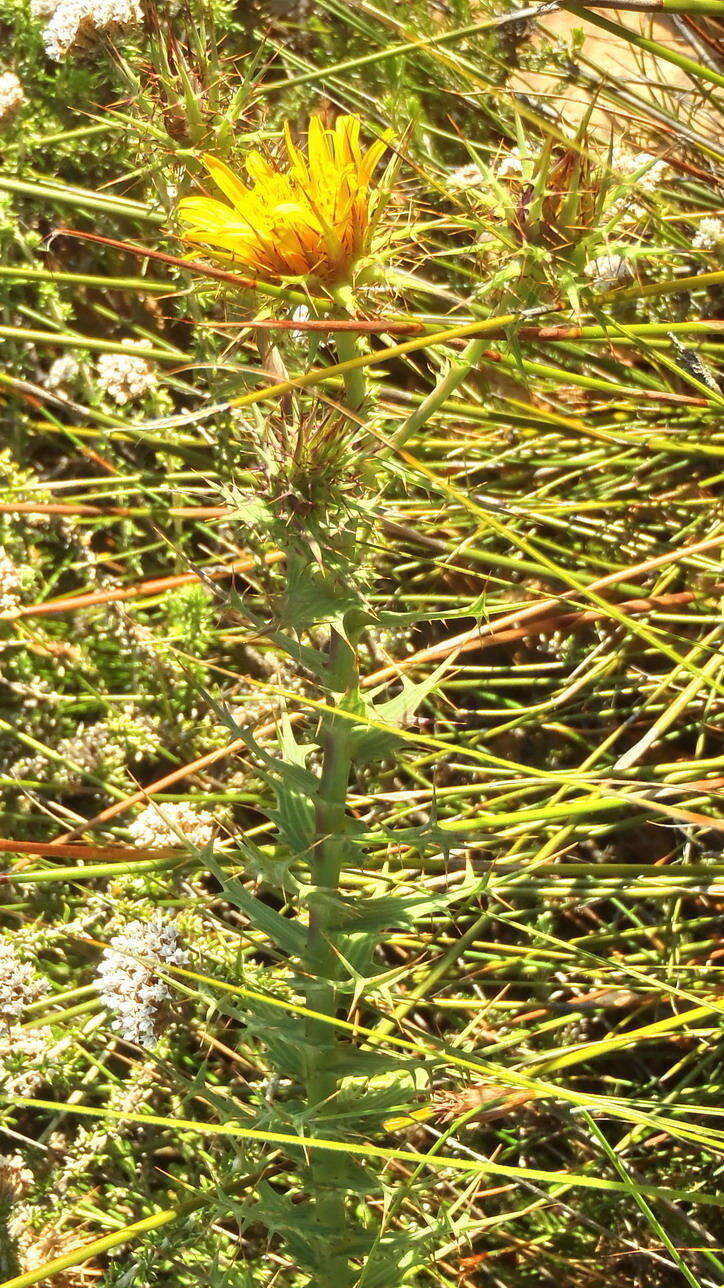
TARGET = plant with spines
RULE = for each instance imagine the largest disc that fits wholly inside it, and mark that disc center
(318, 465)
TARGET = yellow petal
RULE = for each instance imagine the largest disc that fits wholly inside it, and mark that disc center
(346, 140)
(320, 157)
(370, 159)
(258, 168)
(294, 212)
(203, 210)
(311, 218)
(298, 164)
(224, 178)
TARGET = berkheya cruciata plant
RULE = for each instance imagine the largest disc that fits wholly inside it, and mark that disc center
(314, 226)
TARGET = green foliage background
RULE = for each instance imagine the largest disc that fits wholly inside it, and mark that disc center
(534, 912)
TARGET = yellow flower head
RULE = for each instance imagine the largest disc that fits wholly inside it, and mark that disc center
(313, 219)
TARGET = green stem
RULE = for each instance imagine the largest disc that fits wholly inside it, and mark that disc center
(329, 851)
(459, 372)
(355, 384)
(23, 273)
(82, 198)
(323, 961)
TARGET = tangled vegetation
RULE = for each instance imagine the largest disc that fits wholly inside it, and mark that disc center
(360, 633)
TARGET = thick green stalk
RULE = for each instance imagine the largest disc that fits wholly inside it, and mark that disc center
(323, 962)
(321, 957)
(328, 855)
(355, 384)
(330, 843)
(445, 388)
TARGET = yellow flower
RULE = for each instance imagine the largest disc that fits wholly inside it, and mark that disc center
(313, 219)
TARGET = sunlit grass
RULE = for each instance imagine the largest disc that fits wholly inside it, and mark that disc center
(549, 534)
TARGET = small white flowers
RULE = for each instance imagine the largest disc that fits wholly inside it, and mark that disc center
(10, 583)
(42, 9)
(12, 96)
(124, 377)
(19, 984)
(608, 270)
(128, 980)
(464, 177)
(23, 1051)
(510, 164)
(15, 1177)
(157, 826)
(709, 234)
(649, 171)
(633, 175)
(92, 748)
(26, 1058)
(62, 373)
(73, 25)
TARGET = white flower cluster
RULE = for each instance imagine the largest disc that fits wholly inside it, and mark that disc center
(15, 1177)
(157, 826)
(648, 170)
(381, 644)
(128, 981)
(464, 177)
(640, 173)
(25, 1059)
(93, 748)
(11, 95)
(10, 583)
(108, 745)
(709, 234)
(19, 984)
(608, 270)
(62, 373)
(73, 25)
(123, 376)
(97, 748)
(510, 164)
